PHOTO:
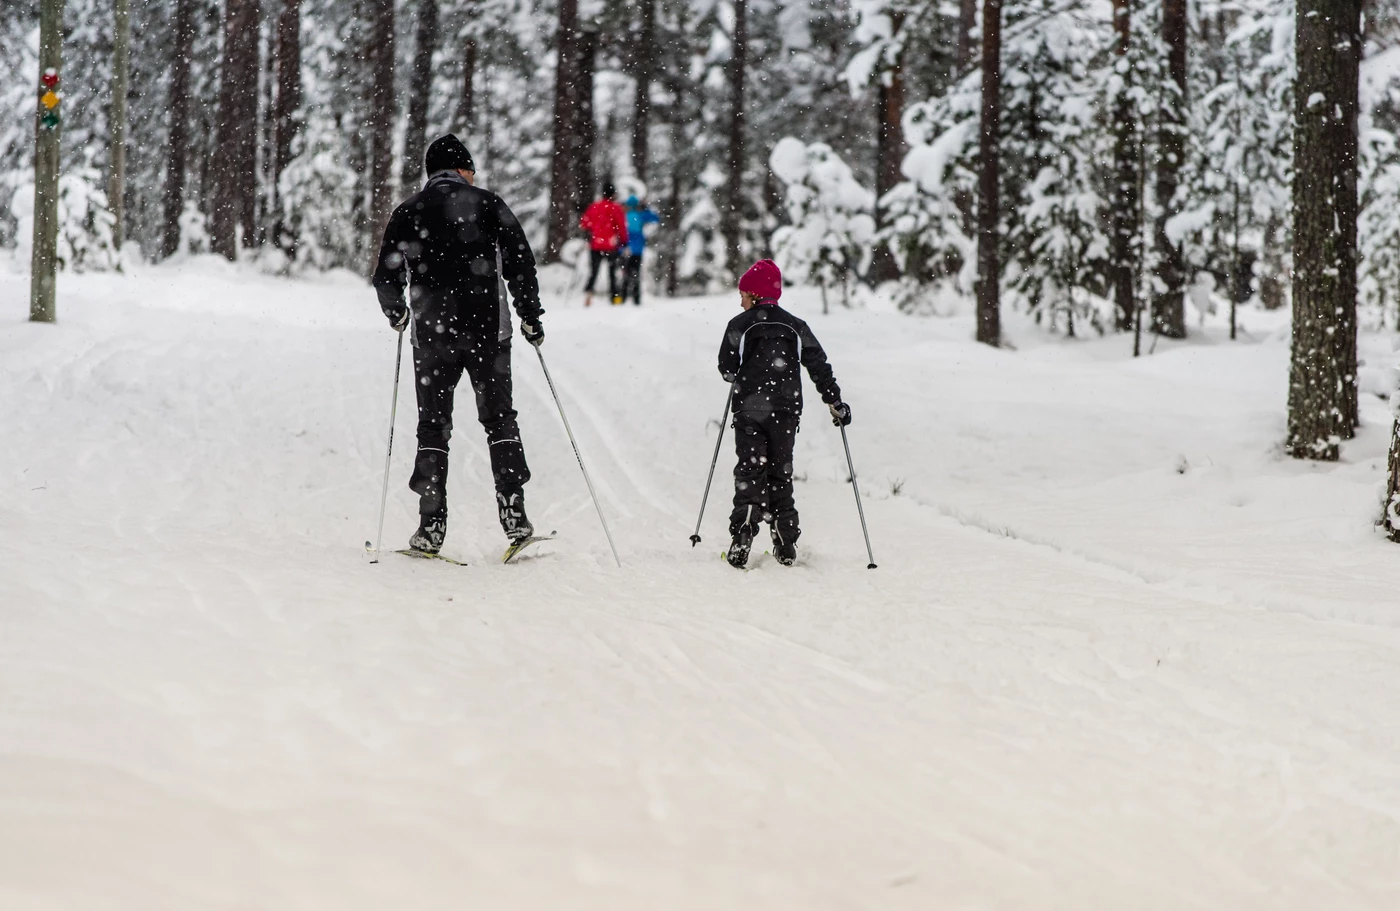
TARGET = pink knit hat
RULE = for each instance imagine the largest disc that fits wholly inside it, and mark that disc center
(763, 280)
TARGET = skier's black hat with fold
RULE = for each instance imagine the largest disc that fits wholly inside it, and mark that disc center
(447, 153)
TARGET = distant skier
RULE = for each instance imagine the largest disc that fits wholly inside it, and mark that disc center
(762, 349)
(606, 225)
(638, 217)
(450, 245)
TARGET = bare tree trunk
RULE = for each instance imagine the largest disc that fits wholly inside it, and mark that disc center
(890, 151)
(47, 131)
(641, 109)
(179, 126)
(235, 166)
(382, 109)
(416, 135)
(1124, 265)
(1348, 48)
(967, 19)
(1169, 300)
(731, 213)
(563, 183)
(121, 83)
(1324, 255)
(286, 114)
(989, 181)
(586, 132)
(467, 100)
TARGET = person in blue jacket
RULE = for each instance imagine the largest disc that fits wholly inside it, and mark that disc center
(638, 217)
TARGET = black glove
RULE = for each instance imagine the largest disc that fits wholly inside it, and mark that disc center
(840, 414)
(399, 321)
(727, 377)
(533, 332)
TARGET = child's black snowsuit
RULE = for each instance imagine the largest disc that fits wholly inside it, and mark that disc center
(763, 347)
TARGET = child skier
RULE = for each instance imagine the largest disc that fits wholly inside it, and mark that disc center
(762, 349)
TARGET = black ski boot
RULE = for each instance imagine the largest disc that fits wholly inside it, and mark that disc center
(514, 522)
(430, 534)
(784, 553)
(738, 555)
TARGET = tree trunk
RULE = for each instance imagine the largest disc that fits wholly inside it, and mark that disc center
(1390, 521)
(382, 110)
(989, 180)
(47, 131)
(731, 213)
(890, 151)
(416, 135)
(235, 164)
(1348, 48)
(586, 127)
(1324, 254)
(286, 115)
(121, 84)
(1169, 294)
(179, 126)
(641, 109)
(466, 102)
(967, 19)
(1325, 259)
(1123, 265)
(563, 181)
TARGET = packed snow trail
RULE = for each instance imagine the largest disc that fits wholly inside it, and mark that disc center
(1117, 655)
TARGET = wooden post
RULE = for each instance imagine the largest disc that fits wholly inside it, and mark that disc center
(47, 127)
(121, 75)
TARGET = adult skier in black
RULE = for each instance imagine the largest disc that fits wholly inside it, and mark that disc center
(762, 349)
(450, 245)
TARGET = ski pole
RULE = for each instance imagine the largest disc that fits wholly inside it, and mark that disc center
(586, 479)
(856, 487)
(695, 538)
(389, 450)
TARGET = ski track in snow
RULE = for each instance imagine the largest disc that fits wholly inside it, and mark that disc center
(1118, 653)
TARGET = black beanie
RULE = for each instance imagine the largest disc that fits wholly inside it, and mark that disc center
(448, 154)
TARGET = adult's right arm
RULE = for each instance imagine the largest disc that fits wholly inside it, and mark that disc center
(391, 271)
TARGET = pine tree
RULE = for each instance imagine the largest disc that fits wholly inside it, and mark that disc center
(234, 167)
(1324, 257)
(988, 182)
(287, 117)
(1124, 261)
(564, 183)
(732, 211)
(382, 114)
(419, 94)
(121, 73)
(1169, 285)
(178, 146)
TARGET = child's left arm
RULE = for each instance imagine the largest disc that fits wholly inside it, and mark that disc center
(814, 359)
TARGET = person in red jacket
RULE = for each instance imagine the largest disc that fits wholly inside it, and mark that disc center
(606, 224)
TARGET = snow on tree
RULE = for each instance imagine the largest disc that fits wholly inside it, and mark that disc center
(832, 223)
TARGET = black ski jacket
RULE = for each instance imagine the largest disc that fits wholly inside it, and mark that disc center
(450, 244)
(763, 347)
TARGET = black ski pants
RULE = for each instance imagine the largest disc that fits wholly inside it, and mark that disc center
(632, 277)
(595, 262)
(437, 371)
(763, 475)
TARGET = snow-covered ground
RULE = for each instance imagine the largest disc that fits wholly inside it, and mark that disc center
(1119, 652)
